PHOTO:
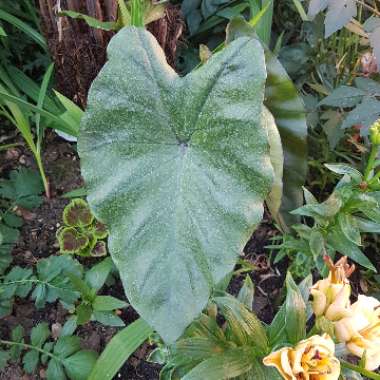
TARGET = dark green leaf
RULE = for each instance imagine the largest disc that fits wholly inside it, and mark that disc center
(364, 114)
(340, 243)
(344, 96)
(4, 357)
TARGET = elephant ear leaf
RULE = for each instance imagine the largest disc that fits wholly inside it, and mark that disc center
(283, 101)
(178, 170)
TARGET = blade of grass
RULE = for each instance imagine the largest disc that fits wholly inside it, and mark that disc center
(125, 16)
(37, 37)
(119, 349)
(40, 104)
(61, 125)
(264, 27)
(301, 10)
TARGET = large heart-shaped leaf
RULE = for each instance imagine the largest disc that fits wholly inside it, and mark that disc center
(177, 168)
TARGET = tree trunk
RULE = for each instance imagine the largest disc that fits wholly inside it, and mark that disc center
(79, 52)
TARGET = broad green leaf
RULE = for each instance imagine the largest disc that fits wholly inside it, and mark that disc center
(4, 357)
(118, 350)
(79, 365)
(84, 312)
(230, 364)
(170, 162)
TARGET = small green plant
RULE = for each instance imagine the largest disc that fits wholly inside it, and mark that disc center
(339, 222)
(21, 191)
(63, 358)
(81, 233)
(63, 279)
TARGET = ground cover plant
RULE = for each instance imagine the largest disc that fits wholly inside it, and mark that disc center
(189, 189)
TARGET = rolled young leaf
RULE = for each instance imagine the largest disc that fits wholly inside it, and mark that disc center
(177, 168)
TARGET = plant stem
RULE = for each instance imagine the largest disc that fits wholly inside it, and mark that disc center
(371, 161)
(29, 346)
(362, 371)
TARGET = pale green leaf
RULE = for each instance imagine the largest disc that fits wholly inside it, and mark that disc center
(171, 161)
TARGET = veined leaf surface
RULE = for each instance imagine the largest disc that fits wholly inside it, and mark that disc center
(177, 168)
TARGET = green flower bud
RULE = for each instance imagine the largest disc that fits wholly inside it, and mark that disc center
(375, 132)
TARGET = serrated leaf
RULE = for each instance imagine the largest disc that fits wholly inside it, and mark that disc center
(79, 365)
(55, 371)
(47, 348)
(344, 96)
(39, 334)
(4, 357)
(196, 157)
(17, 335)
(107, 303)
(66, 346)
(340, 12)
(30, 361)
